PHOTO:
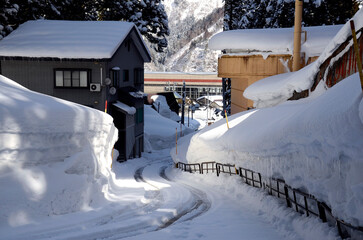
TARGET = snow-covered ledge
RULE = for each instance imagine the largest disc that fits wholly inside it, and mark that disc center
(273, 41)
(276, 89)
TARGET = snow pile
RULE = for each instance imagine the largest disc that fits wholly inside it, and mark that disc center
(162, 106)
(55, 156)
(161, 131)
(218, 99)
(280, 40)
(314, 144)
(276, 89)
(66, 39)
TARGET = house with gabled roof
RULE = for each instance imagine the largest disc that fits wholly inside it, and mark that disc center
(99, 64)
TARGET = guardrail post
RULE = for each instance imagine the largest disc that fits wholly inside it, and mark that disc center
(322, 214)
(253, 179)
(339, 229)
(278, 189)
(306, 206)
(288, 203)
(260, 180)
(296, 206)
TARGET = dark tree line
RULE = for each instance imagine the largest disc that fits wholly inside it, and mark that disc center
(148, 15)
(241, 14)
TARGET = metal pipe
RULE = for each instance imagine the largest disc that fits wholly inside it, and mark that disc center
(296, 65)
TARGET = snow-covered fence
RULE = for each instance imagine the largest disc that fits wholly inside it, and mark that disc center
(208, 166)
(250, 177)
(195, 167)
(297, 199)
(226, 168)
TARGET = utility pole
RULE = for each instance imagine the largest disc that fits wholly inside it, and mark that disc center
(296, 60)
(183, 104)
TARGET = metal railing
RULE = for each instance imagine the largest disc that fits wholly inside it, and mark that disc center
(226, 168)
(195, 167)
(250, 177)
(208, 166)
(297, 199)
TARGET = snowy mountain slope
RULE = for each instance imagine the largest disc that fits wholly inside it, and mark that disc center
(54, 155)
(191, 25)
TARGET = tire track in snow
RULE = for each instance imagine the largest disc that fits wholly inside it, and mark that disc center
(200, 206)
(112, 225)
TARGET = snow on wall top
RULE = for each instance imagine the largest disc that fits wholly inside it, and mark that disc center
(274, 40)
(129, 110)
(65, 39)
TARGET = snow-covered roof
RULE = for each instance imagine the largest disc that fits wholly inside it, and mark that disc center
(66, 39)
(273, 40)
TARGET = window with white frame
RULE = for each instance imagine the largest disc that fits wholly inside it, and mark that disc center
(72, 78)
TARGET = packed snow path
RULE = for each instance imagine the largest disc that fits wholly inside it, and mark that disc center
(150, 199)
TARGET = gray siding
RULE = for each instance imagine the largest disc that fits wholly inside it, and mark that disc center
(127, 58)
(39, 76)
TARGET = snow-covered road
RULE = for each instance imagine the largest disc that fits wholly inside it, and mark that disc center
(150, 199)
(198, 210)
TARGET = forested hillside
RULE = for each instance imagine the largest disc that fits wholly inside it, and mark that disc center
(191, 24)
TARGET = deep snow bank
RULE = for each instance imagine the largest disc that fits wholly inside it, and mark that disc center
(54, 155)
(161, 131)
(313, 143)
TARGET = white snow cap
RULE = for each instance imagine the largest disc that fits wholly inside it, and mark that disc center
(129, 110)
(273, 40)
(66, 39)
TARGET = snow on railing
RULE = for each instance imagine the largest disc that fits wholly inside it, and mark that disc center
(302, 202)
(341, 64)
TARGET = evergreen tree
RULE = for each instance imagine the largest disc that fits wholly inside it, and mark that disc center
(230, 10)
(280, 13)
(153, 23)
(29, 10)
(148, 15)
(8, 13)
(72, 10)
